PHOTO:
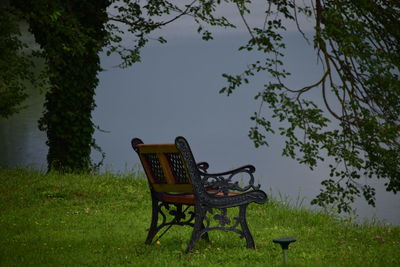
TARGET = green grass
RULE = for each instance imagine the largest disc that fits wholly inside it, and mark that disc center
(101, 220)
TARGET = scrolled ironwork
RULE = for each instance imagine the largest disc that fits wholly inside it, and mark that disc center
(203, 166)
(223, 182)
(178, 215)
(222, 221)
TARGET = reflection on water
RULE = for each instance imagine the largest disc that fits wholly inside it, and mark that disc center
(21, 142)
(174, 92)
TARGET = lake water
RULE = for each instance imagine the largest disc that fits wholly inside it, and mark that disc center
(174, 91)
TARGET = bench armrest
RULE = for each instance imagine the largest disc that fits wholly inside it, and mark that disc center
(222, 182)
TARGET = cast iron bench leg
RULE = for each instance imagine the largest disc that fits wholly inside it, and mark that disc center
(154, 219)
(197, 227)
(245, 228)
(205, 235)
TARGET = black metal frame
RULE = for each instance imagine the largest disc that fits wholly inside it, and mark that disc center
(214, 194)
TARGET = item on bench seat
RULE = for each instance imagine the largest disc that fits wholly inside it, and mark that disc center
(178, 183)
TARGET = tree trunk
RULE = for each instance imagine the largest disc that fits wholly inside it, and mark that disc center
(71, 34)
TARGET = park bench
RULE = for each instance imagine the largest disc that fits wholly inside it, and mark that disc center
(178, 183)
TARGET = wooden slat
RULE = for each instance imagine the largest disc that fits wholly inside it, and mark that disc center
(158, 148)
(147, 169)
(169, 176)
(178, 188)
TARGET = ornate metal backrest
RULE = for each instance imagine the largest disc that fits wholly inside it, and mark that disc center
(183, 146)
(164, 166)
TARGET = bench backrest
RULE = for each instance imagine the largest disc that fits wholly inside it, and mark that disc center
(164, 166)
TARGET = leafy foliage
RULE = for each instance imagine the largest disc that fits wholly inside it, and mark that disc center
(358, 131)
(15, 65)
(138, 20)
(71, 34)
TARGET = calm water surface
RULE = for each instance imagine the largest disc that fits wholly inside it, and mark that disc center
(175, 92)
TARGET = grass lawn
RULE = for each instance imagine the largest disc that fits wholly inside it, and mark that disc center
(101, 220)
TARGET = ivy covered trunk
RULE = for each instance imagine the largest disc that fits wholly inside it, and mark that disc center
(68, 108)
(71, 34)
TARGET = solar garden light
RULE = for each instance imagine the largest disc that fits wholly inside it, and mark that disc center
(284, 242)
